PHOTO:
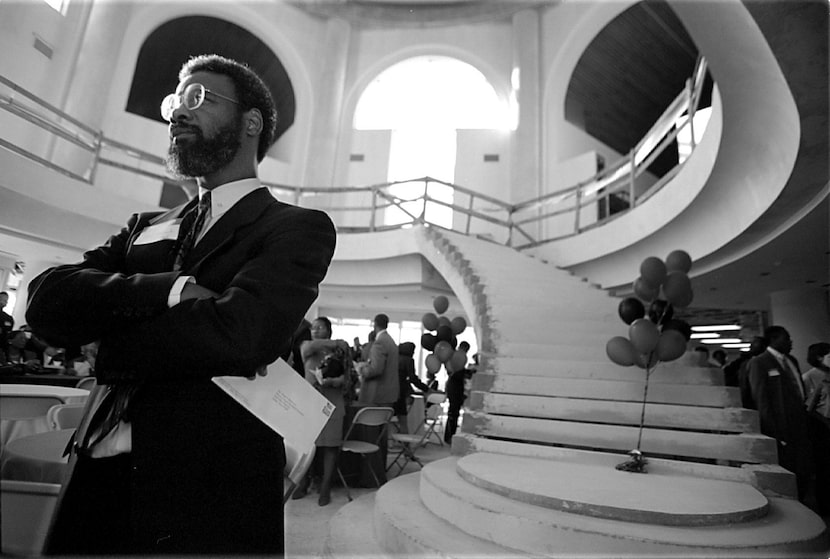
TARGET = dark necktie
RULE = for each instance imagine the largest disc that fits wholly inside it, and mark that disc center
(190, 228)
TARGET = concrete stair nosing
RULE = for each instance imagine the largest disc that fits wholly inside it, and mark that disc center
(542, 531)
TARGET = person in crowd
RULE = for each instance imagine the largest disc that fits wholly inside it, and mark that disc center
(406, 371)
(777, 389)
(817, 384)
(357, 349)
(326, 364)
(718, 358)
(167, 462)
(757, 346)
(702, 353)
(817, 379)
(6, 328)
(379, 377)
(365, 349)
(294, 356)
(454, 387)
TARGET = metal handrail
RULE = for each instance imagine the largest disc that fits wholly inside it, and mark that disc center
(476, 213)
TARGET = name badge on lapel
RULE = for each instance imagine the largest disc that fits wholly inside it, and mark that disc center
(164, 231)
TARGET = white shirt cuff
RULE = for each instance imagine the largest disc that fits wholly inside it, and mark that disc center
(175, 296)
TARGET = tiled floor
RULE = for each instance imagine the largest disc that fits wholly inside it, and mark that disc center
(306, 523)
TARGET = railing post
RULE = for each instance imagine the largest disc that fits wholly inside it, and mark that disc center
(469, 215)
(631, 178)
(374, 208)
(690, 91)
(424, 202)
(577, 208)
(96, 154)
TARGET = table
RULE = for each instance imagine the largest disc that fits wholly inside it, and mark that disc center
(48, 378)
(37, 457)
(23, 408)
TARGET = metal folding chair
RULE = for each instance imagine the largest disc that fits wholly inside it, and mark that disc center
(372, 417)
(435, 415)
(297, 463)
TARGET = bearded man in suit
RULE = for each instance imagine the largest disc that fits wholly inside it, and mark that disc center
(167, 463)
(778, 392)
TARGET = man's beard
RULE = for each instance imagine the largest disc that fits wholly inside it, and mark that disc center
(202, 156)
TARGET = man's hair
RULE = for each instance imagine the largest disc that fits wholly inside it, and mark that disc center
(774, 333)
(251, 91)
(325, 320)
(6, 293)
(464, 346)
(381, 320)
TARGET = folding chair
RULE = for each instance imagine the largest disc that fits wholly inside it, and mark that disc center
(65, 416)
(434, 415)
(409, 443)
(372, 417)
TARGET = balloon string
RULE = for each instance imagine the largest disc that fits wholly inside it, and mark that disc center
(645, 396)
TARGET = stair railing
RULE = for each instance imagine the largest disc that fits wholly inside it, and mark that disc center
(381, 207)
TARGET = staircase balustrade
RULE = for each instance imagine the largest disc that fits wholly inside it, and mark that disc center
(381, 206)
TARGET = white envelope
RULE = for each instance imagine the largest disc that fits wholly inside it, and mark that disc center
(166, 230)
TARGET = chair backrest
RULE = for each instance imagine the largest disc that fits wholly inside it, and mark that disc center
(23, 406)
(26, 508)
(297, 463)
(372, 417)
(436, 397)
(86, 383)
(65, 416)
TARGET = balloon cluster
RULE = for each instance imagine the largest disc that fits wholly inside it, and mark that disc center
(653, 333)
(440, 338)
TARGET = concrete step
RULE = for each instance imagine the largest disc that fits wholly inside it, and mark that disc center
(770, 479)
(351, 533)
(607, 389)
(602, 368)
(734, 420)
(744, 447)
(538, 529)
(403, 526)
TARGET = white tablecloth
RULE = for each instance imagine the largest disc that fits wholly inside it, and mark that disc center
(37, 457)
(15, 423)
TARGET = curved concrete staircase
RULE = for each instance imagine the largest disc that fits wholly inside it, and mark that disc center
(533, 466)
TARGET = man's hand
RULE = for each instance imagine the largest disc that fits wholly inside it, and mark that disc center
(196, 291)
(262, 371)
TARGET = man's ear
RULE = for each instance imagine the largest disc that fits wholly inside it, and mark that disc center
(253, 122)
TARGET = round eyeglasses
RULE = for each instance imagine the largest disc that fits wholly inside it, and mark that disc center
(192, 98)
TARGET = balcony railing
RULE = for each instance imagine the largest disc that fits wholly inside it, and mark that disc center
(616, 189)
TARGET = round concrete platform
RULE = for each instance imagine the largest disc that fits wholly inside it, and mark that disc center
(603, 492)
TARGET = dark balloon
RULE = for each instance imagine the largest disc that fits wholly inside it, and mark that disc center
(653, 270)
(645, 290)
(644, 335)
(620, 351)
(631, 309)
(444, 333)
(672, 345)
(428, 341)
(680, 325)
(679, 261)
(440, 304)
(430, 321)
(678, 289)
(660, 311)
(458, 325)
(443, 351)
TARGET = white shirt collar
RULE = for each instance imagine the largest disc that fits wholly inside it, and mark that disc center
(223, 197)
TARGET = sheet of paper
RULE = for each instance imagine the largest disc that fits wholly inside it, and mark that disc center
(283, 400)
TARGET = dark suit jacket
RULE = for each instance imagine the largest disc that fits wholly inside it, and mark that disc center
(380, 385)
(781, 410)
(199, 458)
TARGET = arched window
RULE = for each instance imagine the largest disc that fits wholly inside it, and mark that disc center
(424, 100)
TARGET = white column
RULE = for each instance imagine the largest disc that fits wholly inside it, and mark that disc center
(526, 145)
(805, 313)
(329, 88)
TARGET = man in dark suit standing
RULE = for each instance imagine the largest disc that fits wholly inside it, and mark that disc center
(168, 463)
(778, 392)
